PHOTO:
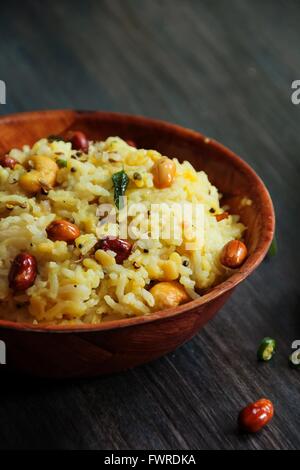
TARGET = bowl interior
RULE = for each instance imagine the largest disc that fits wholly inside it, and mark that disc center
(232, 176)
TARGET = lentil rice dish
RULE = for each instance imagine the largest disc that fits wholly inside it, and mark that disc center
(54, 268)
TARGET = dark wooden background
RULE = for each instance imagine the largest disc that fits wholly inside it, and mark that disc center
(224, 67)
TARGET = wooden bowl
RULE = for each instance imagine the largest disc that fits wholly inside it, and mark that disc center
(91, 350)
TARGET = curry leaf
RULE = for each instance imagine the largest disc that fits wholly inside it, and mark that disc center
(120, 181)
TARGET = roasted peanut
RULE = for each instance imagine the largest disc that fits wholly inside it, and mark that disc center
(170, 270)
(233, 254)
(7, 162)
(121, 247)
(256, 415)
(78, 140)
(131, 143)
(23, 272)
(163, 171)
(63, 230)
(30, 182)
(42, 174)
(168, 294)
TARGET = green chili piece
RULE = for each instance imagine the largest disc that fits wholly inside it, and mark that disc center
(273, 248)
(62, 163)
(120, 181)
(266, 349)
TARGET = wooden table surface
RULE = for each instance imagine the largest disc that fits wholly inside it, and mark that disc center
(224, 68)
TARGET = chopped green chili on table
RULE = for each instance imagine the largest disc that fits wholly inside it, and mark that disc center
(266, 349)
(273, 248)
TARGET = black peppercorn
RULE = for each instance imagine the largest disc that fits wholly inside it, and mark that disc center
(137, 176)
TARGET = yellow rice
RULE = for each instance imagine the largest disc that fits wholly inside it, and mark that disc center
(75, 285)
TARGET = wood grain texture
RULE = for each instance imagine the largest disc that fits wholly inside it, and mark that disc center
(224, 68)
